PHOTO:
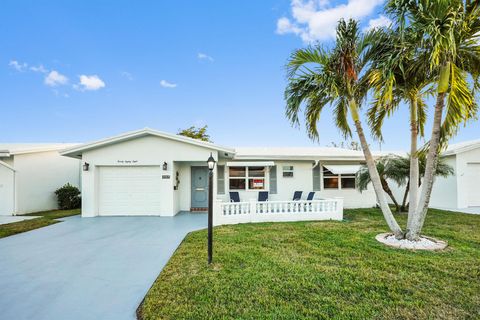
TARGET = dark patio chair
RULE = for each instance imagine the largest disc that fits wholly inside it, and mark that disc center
(234, 196)
(262, 196)
(311, 195)
(297, 195)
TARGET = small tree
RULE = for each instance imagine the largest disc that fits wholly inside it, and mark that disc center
(442, 170)
(397, 169)
(68, 197)
(388, 169)
(193, 132)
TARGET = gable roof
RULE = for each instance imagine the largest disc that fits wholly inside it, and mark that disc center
(457, 148)
(8, 149)
(77, 151)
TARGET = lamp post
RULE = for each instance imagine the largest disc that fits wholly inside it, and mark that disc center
(211, 166)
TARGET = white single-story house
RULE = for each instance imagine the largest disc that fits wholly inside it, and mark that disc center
(29, 175)
(148, 172)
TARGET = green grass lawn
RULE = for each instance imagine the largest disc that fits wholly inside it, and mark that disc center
(322, 270)
(46, 218)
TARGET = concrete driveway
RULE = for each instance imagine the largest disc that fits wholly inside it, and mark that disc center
(90, 268)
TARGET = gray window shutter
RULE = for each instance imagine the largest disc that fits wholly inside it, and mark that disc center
(316, 178)
(221, 179)
(273, 180)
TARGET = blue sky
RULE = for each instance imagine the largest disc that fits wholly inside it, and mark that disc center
(76, 71)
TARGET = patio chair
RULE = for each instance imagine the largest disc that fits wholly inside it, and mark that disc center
(311, 195)
(297, 195)
(234, 196)
(262, 196)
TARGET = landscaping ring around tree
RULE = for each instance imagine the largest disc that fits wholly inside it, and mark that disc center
(425, 243)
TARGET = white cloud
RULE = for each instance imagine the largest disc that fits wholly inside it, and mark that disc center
(379, 22)
(90, 83)
(54, 79)
(39, 68)
(127, 75)
(166, 84)
(203, 56)
(20, 67)
(316, 19)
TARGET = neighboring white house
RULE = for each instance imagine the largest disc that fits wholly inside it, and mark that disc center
(147, 172)
(29, 175)
(460, 190)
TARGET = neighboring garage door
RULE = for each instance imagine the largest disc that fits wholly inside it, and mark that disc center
(473, 179)
(129, 191)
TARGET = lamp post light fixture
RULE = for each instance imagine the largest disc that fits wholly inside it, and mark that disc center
(211, 166)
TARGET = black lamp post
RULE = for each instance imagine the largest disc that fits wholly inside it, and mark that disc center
(211, 166)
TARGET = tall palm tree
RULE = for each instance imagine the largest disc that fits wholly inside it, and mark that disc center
(319, 78)
(395, 78)
(449, 45)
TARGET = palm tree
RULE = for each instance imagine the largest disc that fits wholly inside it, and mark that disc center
(319, 77)
(388, 169)
(448, 33)
(396, 78)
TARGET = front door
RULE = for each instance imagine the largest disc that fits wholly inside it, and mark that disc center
(199, 187)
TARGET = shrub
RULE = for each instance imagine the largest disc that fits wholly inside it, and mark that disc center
(68, 197)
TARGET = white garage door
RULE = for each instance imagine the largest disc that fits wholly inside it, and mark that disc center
(473, 180)
(129, 191)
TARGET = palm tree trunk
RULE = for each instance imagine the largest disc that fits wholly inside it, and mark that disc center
(374, 176)
(414, 173)
(388, 191)
(427, 184)
(404, 201)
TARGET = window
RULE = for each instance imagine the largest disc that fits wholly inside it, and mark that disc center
(337, 181)
(348, 181)
(242, 177)
(330, 180)
(287, 171)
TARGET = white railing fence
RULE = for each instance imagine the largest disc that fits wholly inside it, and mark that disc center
(276, 211)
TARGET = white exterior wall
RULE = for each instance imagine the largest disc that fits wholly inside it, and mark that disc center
(7, 185)
(302, 180)
(146, 151)
(463, 185)
(38, 175)
(445, 191)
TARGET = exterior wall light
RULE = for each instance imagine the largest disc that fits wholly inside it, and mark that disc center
(165, 166)
(211, 162)
(86, 166)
